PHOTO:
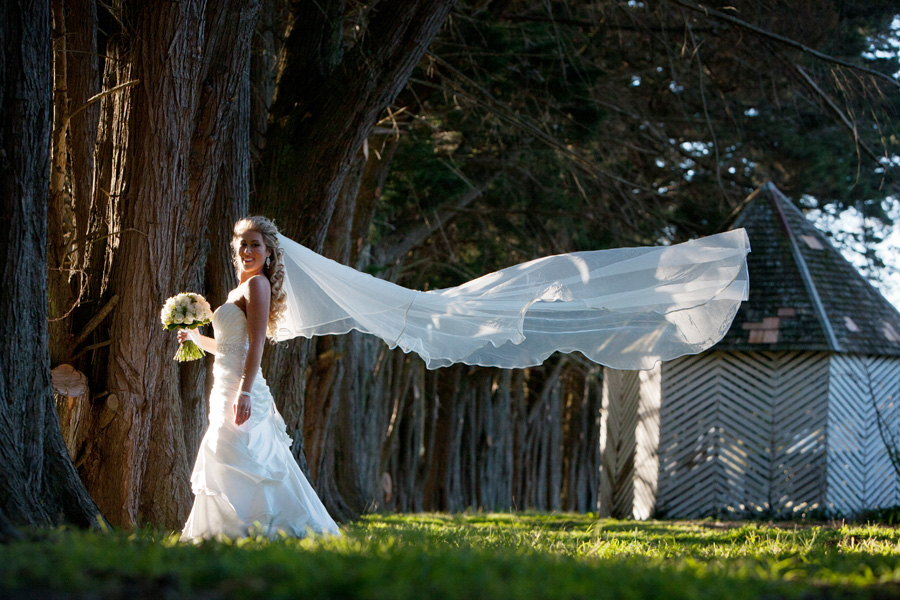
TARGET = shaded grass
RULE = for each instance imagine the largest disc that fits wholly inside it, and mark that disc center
(480, 555)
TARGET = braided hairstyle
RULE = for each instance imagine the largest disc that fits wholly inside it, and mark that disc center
(274, 268)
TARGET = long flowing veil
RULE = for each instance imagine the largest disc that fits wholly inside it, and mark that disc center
(626, 308)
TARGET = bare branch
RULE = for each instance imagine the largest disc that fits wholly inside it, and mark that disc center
(784, 40)
(101, 95)
(840, 114)
(504, 113)
(87, 349)
(95, 321)
(395, 249)
(605, 25)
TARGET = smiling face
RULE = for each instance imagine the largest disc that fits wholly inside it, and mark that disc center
(251, 253)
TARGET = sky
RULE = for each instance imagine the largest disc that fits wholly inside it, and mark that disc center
(850, 221)
(842, 227)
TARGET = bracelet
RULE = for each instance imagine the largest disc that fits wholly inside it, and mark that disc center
(245, 394)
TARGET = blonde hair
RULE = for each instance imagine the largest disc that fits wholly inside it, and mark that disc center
(273, 269)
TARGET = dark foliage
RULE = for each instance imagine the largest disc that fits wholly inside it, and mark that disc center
(614, 123)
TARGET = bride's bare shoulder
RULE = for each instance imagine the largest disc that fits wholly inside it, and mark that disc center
(258, 289)
(258, 283)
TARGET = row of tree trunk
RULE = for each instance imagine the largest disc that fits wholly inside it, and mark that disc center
(384, 433)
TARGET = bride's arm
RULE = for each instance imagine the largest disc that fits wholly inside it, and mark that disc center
(259, 293)
(208, 344)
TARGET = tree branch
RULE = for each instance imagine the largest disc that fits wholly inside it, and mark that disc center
(396, 249)
(503, 112)
(784, 40)
(840, 114)
(87, 349)
(101, 95)
(95, 320)
(596, 25)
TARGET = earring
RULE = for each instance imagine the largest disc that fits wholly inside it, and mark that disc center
(268, 260)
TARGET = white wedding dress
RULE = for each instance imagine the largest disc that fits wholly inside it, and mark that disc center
(245, 479)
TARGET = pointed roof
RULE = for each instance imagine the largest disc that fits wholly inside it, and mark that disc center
(803, 294)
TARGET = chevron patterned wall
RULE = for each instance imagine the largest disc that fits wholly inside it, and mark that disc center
(629, 436)
(621, 397)
(751, 433)
(860, 474)
(742, 433)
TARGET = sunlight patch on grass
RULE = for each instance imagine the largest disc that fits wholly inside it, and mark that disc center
(488, 555)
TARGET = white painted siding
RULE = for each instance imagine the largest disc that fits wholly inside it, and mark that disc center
(743, 433)
(860, 475)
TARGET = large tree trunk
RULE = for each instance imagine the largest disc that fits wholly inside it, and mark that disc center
(219, 180)
(328, 100)
(169, 137)
(230, 202)
(40, 485)
(139, 468)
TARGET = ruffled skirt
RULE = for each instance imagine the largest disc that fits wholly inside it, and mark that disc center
(245, 480)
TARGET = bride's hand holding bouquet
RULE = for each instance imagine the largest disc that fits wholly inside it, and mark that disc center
(186, 311)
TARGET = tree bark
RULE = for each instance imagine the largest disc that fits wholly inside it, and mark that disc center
(224, 74)
(83, 82)
(328, 101)
(265, 62)
(139, 466)
(40, 485)
(59, 267)
(169, 138)
(219, 180)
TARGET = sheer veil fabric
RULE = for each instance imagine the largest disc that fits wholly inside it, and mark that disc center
(626, 308)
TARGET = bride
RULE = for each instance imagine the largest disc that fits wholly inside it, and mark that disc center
(245, 478)
(627, 308)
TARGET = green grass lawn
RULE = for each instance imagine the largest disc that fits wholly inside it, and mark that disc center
(480, 555)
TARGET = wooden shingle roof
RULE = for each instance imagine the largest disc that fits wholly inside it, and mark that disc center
(803, 294)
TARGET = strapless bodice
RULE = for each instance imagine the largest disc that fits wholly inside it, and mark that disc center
(230, 325)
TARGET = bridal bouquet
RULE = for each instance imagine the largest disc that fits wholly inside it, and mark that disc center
(186, 311)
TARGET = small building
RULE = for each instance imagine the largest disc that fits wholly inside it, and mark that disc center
(795, 411)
